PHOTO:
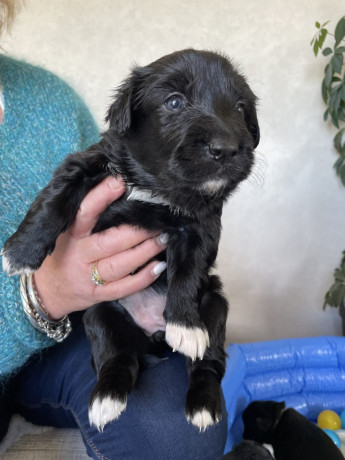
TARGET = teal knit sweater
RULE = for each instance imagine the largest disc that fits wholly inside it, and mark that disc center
(43, 121)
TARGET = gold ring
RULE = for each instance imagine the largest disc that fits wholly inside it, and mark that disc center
(96, 277)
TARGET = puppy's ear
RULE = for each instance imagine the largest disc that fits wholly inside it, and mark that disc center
(260, 419)
(253, 125)
(119, 113)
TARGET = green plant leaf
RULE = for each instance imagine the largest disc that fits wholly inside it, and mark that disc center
(339, 275)
(342, 174)
(327, 51)
(340, 294)
(322, 37)
(328, 75)
(333, 295)
(339, 31)
(339, 50)
(317, 24)
(335, 120)
(337, 103)
(337, 165)
(338, 141)
(324, 91)
(337, 63)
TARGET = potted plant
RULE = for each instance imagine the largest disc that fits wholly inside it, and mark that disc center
(333, 94)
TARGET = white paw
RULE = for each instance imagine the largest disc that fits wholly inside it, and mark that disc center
(202, 420)
(190, 341)
(8, 267)
(105, 410)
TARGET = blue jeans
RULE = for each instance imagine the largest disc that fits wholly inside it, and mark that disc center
(55, 387)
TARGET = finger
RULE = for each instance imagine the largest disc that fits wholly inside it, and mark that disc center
(130, 284)
(118, 266)
(95, 202)
(112, 241)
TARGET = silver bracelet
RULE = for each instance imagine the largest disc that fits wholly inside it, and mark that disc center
(38, 315)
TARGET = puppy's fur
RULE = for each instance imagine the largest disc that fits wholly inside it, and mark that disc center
(182, 131)
(291, 435)
(249, 450)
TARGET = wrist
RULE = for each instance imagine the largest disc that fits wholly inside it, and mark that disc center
(37, 313)
(44, 291)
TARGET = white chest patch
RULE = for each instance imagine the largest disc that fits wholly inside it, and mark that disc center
(212, 186)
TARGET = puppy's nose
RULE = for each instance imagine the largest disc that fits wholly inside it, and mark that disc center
(221, 148)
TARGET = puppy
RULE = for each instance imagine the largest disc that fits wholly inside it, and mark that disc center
(249, 450)
(182, 131)
(292, 436)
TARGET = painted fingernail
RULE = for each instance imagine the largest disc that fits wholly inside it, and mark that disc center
(162, 239)
(159, 268)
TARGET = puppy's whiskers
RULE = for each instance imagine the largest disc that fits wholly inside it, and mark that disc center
(257, 177)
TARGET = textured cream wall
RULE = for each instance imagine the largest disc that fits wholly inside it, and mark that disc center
(283, 236)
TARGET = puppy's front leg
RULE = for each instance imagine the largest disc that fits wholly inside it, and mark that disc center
(188, 264)
(53, 211)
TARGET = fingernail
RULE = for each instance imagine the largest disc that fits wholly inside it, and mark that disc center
(114, 183)
(159, 268)
(162, 239)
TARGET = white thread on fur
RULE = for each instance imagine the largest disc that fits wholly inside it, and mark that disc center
(147, 196)
(190, 341)
(105, 410)
(202, 420)
(8, 267)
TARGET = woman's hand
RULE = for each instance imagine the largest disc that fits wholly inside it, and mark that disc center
(64, 282)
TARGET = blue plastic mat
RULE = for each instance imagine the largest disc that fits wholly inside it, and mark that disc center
(308, 374)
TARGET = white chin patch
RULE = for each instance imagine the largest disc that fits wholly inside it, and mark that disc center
(105, 410)
(202, 420)
(191, 342)
(213, 186)
(7, 266)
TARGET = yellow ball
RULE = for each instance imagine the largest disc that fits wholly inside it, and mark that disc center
(328, 419)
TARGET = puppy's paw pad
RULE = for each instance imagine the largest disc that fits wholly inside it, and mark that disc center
(202, 419)
(9, 267)
(190, 341)
(106, 409)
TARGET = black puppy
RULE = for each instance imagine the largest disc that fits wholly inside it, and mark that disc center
(292, 436)
(182, 131)
(249, 450)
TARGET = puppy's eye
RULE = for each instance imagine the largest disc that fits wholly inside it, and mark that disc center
(174, 103)
(240, 108)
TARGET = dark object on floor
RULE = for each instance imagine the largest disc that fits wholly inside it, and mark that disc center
(249, 450)
(292, 436)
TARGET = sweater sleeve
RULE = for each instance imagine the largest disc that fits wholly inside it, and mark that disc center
(44, 120)
(18, 339)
